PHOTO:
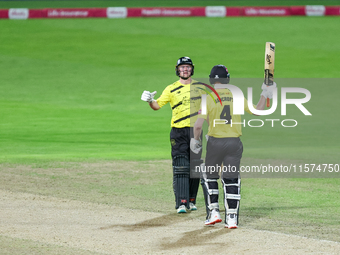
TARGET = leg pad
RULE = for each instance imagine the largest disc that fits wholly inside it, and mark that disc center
(181, 174)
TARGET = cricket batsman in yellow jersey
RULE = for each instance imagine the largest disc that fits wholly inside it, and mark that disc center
(224, 149)
(179, 95)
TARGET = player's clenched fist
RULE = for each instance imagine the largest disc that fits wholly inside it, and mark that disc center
(147, 96)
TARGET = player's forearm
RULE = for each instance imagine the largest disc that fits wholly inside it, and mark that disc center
(198, 128)
(197, 132)
(261, 103)
(154, 105)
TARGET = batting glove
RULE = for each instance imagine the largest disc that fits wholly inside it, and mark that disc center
(147, 96)
(267, 91)
(195, 145)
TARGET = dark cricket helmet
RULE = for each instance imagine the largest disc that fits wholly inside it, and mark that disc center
(219, 73)
(184, 61)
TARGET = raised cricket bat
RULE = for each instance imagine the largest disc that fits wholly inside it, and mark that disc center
(269, 59)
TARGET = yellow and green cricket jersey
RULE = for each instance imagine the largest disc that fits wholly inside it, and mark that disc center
(222, 121)
(185, 100)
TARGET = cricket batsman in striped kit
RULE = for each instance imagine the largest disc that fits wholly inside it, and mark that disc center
(184, 161)
(224, 149)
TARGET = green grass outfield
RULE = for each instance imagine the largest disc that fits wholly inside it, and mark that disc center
(70, 88)
(70, 92)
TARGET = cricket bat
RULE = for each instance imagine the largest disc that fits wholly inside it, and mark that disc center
(269, 59)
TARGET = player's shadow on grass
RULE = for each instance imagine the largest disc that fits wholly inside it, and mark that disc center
(206, 235)
(161, 221)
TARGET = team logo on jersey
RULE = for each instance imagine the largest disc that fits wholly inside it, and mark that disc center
(186, 100)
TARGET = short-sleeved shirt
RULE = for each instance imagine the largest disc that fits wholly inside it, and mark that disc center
(185, 102)
(222, 121)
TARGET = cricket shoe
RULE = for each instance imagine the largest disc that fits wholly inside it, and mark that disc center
(231, 221)
(214, 217)
(182, 209)
(192, 206)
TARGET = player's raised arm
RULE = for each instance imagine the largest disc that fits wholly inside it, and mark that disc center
(262, 102)
(267, 93)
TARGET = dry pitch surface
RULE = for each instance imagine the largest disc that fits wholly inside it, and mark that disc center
(35, 224)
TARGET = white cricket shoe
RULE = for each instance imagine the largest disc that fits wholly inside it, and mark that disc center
(215, 217)
(182, 209)
(231, 221)
(192, 206)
